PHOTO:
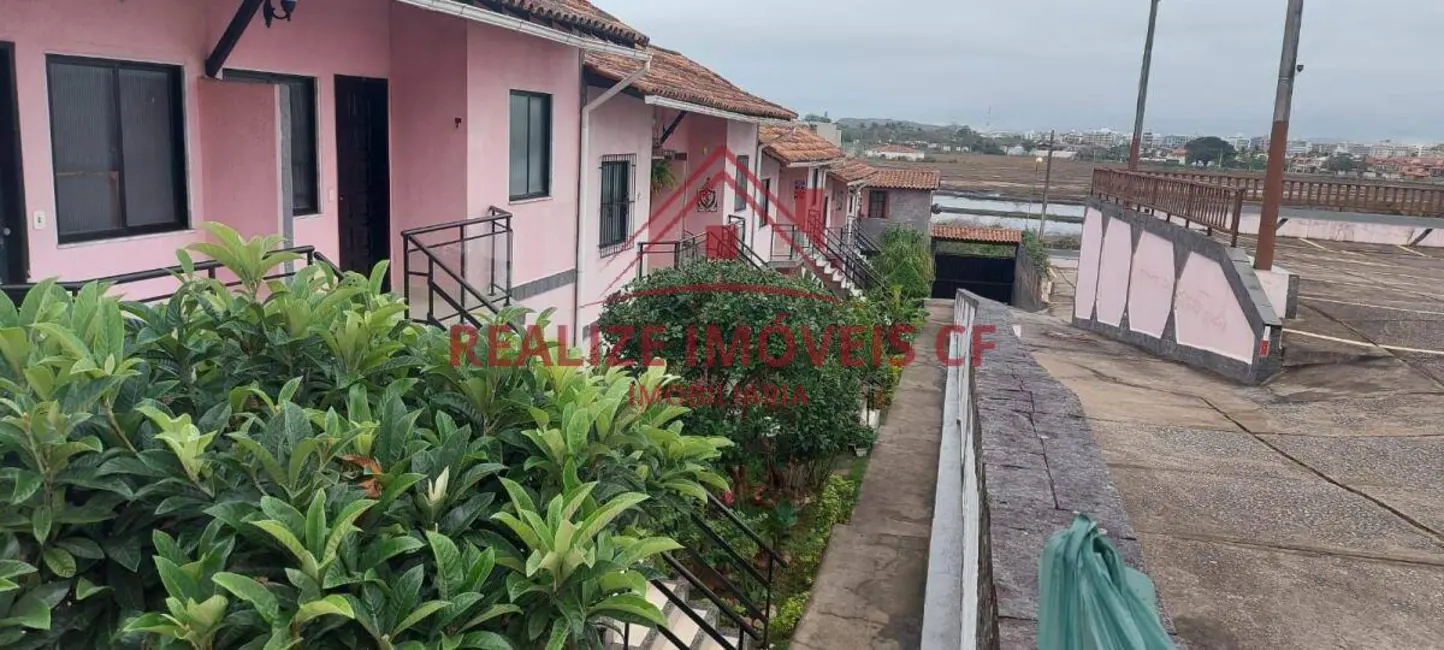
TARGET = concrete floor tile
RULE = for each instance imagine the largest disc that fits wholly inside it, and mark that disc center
(1228, 597)
(1300, 513)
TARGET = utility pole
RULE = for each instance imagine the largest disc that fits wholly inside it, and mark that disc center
(1279, 139)
(1135, 149)
(1047, 183)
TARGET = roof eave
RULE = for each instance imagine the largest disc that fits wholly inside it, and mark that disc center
(676, 104)
(488, 17)
(810, 163)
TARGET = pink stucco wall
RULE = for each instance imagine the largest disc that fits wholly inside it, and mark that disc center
(240, 125)
(326, 37)
(1113, 271)
(1150, 285)
(793, 202)
(1089, 253)
(428, 95)
(620, 127)
(1207, 315)
(544, 229)
(440, 69)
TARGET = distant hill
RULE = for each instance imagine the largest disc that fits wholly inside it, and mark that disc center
(866, 122)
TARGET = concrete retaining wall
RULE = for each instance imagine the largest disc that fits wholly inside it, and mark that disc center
(1028, 282)
(959, 608)
(1175, 292)
(1328, 225)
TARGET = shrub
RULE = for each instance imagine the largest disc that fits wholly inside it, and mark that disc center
(839, 495)
(296, 464)
(696, 311)
(905, 261)
(1036, 251)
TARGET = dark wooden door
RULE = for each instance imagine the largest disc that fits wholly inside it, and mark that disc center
(363, 172)
(12, 204)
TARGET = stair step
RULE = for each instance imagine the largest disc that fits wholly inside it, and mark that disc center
(709, 643)
(642, 636)
(686, 629)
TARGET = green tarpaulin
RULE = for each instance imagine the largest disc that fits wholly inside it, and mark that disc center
(1090, 600)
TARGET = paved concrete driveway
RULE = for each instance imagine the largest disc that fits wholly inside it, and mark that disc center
(1306, 513)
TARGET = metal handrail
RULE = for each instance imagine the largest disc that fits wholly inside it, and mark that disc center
(1215, 207)
(1330, 193)
(496, 227)
(17, 291)
(853, 264)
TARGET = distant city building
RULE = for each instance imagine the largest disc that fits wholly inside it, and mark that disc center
(895, 152)
(1173, 141)
(1057, 155)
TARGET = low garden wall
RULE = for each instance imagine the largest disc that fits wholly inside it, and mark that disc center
(1017, 461)
(1175, 292)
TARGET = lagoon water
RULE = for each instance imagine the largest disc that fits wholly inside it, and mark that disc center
(1007, 205)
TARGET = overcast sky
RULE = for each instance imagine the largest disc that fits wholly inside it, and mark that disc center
(1375, 68)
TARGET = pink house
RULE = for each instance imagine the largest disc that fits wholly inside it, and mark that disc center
(677, 115)
(125, 125)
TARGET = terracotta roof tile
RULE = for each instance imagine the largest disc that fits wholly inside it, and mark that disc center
(906, 179)
(675, 76)
(955, 232)
(575, 15)
(852, 170)
(795, 143)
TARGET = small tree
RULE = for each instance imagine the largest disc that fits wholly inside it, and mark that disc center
(1340, 163)
(1209, 150)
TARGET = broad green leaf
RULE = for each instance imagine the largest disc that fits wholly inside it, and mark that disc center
(178, 583)
(559, 636)
(82, 547)
(426, 609)
(333, 605)
(26, 484)
(33, 608)
(268, 462)
(632, 604)
(643, 549)
(207, 614)
(60, 562)
(316, 524)
(343, 526)
(85, 589)
(522, 530)
(12, 568)
(606, 514)
(148, 622)
(486, 641)
(40, 523)
(448, 563)
(490, 613)
(252, 592)
(519, 498)
(278, 531)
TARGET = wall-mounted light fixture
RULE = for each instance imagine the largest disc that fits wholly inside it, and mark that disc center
(271, 13)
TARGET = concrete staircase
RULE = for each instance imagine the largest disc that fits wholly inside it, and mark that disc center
(642, 637)
(823, 269)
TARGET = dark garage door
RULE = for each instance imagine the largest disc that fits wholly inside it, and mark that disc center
(989, 277)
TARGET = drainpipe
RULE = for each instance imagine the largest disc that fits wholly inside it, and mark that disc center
(585, 174)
